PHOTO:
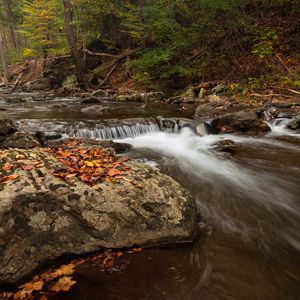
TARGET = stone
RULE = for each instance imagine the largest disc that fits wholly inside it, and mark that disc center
(96, 110)
(245, 121)
(142, 97)
(19, 140)
(295, 123)
(227, 146)
(44, 218)
(7, 127)
(91, 100)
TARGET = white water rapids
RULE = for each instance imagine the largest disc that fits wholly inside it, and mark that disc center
(242, 196)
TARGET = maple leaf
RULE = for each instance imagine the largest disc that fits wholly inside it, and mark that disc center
(9, 178)
(7, 167)
(114, 172)
(27, 167)
(63, 284)
(33, 286)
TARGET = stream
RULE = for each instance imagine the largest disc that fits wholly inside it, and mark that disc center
(249, 241)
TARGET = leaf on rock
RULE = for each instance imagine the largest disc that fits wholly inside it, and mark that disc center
(7, 167)
(114, 172)
(27, 167)
(9, 178)
(63, 284)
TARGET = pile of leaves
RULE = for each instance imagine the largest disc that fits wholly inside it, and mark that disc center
(90, 165)
(61, 279)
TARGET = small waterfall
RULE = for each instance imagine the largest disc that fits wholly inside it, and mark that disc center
(116, 132)
(106, 129)
(280, 127)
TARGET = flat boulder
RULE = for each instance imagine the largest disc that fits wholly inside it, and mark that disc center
(44, 217)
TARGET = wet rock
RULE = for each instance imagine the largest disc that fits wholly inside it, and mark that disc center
(7, 127)
(227, 146)
(19, 140)
(295, 123)
(245, 121)
(142, 97)
(43, 138)
(92, 100)
(43, 218)
(38, 85)
(96, 110)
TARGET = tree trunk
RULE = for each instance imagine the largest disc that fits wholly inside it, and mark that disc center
(4, 57)
(12, 25)
(79, 65)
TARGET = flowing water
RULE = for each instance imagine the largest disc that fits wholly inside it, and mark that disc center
(249, 246)
(249, 241)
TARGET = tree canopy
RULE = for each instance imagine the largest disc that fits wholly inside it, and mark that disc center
(180, 40)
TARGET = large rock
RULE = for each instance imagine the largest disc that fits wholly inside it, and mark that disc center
(246, 121)
(43, 218)
(20, 140)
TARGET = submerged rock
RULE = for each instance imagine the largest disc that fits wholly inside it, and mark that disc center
(43, 218)
(96, 110)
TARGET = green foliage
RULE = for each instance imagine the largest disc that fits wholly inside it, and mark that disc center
(182, 39)
(265, 40)
(43, 27)
(158, 63)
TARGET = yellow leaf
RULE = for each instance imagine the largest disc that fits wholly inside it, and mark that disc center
(63, 284)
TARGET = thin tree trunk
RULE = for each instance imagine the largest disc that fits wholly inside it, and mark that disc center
(12, 25)
(4, 57)
(79, 65)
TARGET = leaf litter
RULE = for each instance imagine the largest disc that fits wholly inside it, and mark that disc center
(61, 279)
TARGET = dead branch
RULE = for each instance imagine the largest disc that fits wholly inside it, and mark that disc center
(126, 53)
(108, 74)
(281, 62)
(268, 95)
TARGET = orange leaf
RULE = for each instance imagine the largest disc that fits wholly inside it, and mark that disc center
(8, 178)
(63, 284)
(114, 172)
(27, 167)
(7, 167)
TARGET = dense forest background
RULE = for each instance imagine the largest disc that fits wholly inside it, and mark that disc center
(160, 43)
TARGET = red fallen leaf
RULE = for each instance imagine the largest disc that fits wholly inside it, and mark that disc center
(27, 167)
(8, 178)
(7, 167)
(114, 172)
